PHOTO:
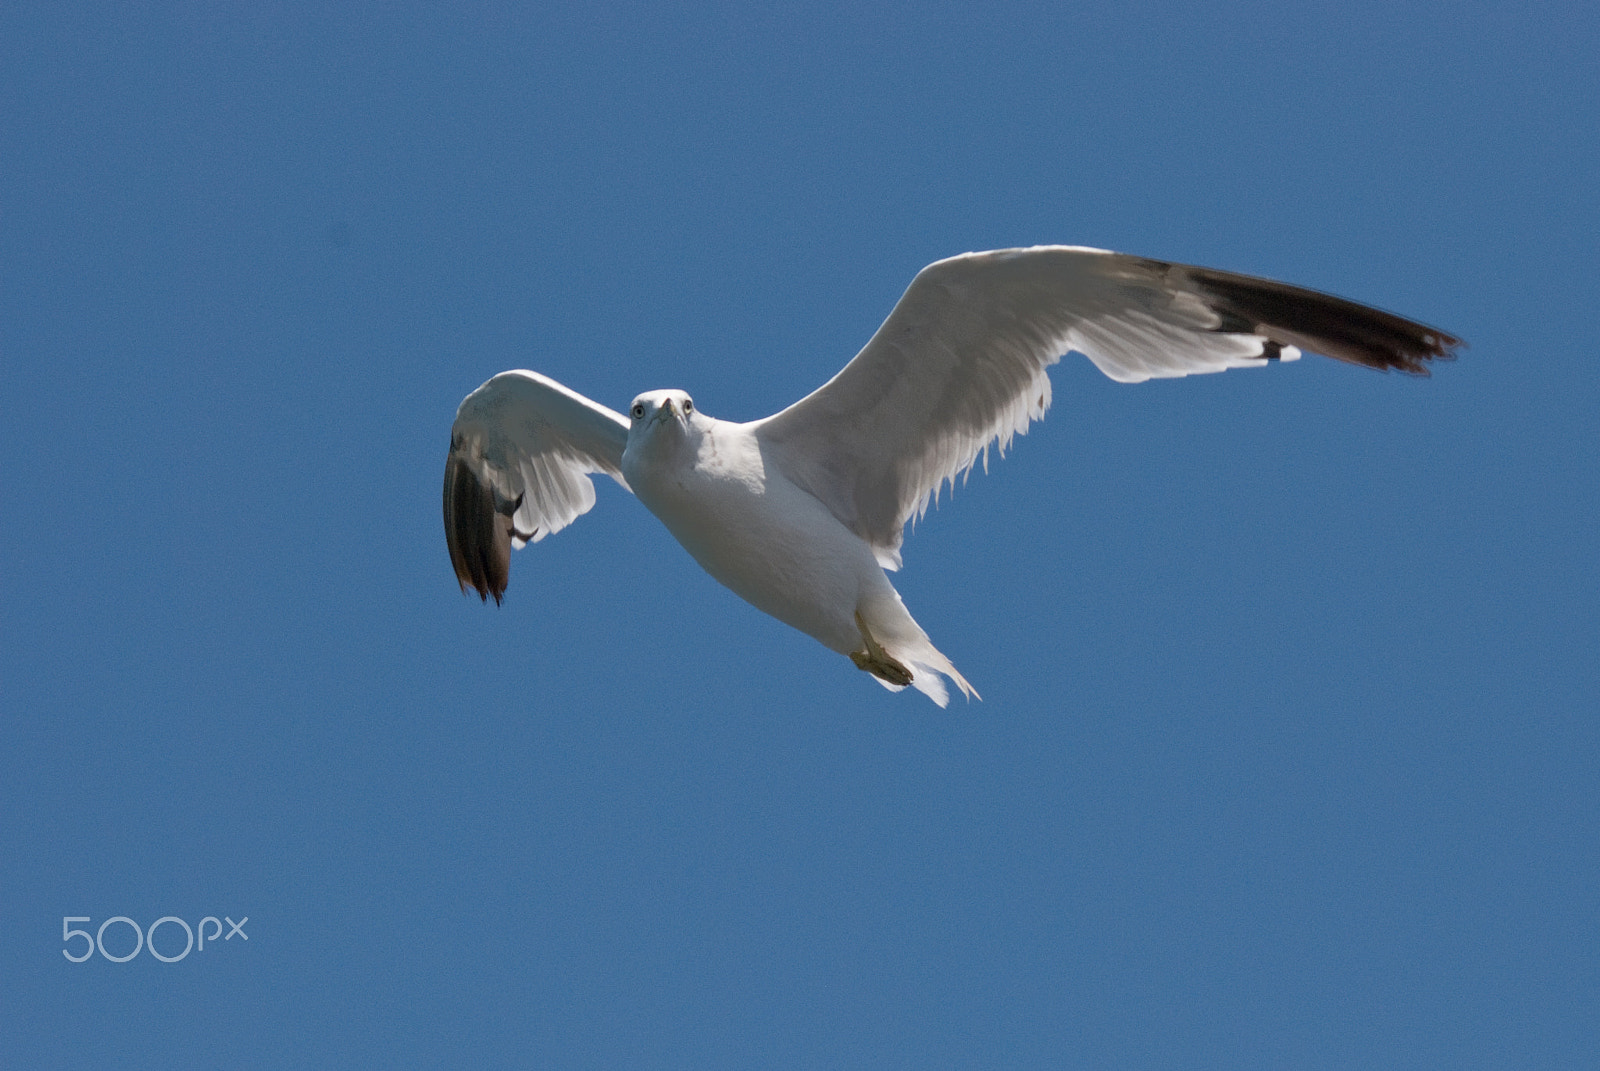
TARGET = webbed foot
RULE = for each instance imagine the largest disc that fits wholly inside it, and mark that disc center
(876, 661)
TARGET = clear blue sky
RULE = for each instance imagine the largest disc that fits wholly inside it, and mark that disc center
(1288, 753)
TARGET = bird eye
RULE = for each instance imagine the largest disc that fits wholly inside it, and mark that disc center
(688, 405)
(638, 411)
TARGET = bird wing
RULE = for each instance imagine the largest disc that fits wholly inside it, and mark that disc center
(521, 453)
(960, 364)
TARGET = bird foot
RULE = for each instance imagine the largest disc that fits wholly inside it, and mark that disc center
(878, 662)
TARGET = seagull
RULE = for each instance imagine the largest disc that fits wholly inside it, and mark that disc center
(802, 513)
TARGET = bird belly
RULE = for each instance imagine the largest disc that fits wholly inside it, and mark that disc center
(773, 545)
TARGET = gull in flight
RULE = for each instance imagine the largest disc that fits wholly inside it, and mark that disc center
(801, 513)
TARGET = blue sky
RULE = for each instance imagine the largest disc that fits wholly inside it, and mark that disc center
(1288, 748)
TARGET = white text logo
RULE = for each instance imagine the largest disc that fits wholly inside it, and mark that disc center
(143, 939)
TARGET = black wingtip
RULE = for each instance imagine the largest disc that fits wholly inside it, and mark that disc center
(1322, 323)
(477, 531)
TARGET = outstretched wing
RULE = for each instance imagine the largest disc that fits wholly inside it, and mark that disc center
(960, 364)
(521, 452)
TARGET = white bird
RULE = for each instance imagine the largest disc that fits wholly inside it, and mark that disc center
(801, 513)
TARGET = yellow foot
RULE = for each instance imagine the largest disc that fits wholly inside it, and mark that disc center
(876, 661)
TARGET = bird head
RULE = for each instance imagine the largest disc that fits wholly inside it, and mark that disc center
(657, 410)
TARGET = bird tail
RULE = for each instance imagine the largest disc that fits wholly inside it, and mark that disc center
(888, 628)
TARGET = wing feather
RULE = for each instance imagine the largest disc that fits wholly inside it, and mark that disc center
(521, 453)
(960, 364)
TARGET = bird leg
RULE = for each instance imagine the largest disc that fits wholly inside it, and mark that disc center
(876, 661)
